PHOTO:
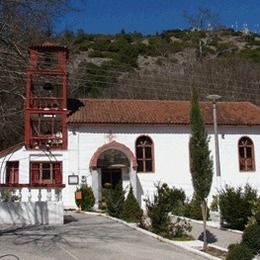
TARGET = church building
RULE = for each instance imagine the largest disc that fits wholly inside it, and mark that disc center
(68, 142)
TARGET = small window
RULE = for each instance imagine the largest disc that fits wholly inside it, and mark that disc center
(12, 172)
(46, 173)
(246, 154)
(144, 154)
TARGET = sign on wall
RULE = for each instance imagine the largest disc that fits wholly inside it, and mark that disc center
(73, 179)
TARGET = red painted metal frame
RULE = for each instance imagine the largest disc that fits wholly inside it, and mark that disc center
(60, 70)
(45, 184)
(152, 153)
(28, 185)
(243, 161)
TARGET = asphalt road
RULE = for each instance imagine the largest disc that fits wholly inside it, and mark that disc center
(221, 238)
(86, 237)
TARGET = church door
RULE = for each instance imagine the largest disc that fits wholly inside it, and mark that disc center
(111, 176)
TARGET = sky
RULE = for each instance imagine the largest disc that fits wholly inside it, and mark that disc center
(151, 16)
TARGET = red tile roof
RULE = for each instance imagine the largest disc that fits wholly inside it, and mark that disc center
(48, 46)
(118, 111)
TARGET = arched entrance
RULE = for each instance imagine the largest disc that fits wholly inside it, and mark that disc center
(112, 163)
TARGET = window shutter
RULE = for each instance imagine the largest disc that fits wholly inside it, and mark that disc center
(8, 175)
(12, 172)
(35, 173)
(57, 170)
(16, 172)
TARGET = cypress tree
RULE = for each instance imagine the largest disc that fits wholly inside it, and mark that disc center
(115, 201)
(131, 210)
(201, 162)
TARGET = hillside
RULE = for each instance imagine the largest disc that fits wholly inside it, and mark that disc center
(130, 65)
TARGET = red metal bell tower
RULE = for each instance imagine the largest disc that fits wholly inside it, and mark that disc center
(46, 98)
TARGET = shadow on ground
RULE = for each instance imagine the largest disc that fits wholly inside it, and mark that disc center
(211, 238)
(69, 218)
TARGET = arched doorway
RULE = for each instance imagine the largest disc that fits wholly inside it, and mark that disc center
(113, 164)
(110, 164)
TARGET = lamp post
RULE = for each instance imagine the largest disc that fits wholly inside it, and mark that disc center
(214, 99)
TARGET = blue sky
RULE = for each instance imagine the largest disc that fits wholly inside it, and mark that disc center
(151, 16)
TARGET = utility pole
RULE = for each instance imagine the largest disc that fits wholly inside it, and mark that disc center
(214, 99)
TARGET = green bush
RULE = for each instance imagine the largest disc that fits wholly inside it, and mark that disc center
(193, 209)
(115, 201)
(158, 210)
(239, 252)
(104, 198)
(88, 200)
(255, 218)
(131, 209)
(251, 54)
(214, 203)
(251, 238)
(236, 205)
(177, 200)
(97, 54)
(180, 227)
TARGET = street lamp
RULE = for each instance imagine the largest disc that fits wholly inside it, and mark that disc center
(214, 99)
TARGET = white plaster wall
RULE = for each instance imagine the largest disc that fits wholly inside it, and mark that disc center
(228, 144)
(170, 151)
(31, 213)
(24, 157)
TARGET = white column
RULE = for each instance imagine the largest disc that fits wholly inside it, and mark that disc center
(133, 181)
(48, 194)
(39, 194)
(96, 186)
(20, 194)
(29, 195)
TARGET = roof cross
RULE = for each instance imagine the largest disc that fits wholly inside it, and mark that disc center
(110, 137)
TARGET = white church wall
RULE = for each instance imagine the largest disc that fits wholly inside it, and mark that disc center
(170, 152)
(20, 155)
(25, 157)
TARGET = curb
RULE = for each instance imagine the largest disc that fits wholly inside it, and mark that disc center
(208, 224)
(146, 232)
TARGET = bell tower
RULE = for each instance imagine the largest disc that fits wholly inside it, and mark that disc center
(46, 98)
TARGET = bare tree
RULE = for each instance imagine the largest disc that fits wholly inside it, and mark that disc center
(203, 20)
(22, 23)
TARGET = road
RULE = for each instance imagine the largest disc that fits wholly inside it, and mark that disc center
(86, 237)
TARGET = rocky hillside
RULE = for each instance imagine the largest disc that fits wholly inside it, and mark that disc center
(130, 65)
(163, 66)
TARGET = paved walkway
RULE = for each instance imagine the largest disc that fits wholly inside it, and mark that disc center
(87, 237)
(221, 238)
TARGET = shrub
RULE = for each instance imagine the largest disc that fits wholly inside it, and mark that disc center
(88, 200)
(177, 200)
(8, 196)
(214, 203)
(115, 201)
(239, 252)
(131, 209)
(237, 216)
(251, 54)
(158, 210)
(180, 227)
(255, 218)
(105, 194)
(193, 209)
(251, 237)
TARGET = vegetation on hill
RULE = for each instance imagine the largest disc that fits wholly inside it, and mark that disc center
(127, 64)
